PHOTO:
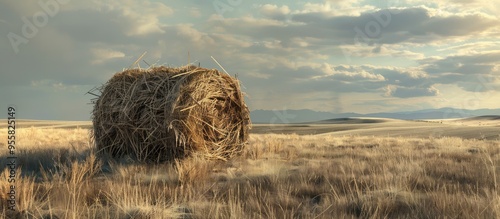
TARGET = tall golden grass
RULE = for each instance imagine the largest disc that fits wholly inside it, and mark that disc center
(276, 176)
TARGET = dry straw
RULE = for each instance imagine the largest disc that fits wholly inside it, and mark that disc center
(161, 114)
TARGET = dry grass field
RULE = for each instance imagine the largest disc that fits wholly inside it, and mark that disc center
(363, 172)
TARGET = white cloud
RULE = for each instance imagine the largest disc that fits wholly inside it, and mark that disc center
(487, 6)
(274, 11)
(52, 85)
(350, 73)
(103, 55)
(336, 8)
(193, 35)
(391, 50)
(415, 25)
(472, 48)
(408, 92)
(142, 17)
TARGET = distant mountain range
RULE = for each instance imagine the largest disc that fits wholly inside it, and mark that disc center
(306, 115)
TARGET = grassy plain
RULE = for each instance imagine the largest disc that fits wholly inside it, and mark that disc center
(361, 172)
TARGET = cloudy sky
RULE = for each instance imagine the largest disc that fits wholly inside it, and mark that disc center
(359, 56)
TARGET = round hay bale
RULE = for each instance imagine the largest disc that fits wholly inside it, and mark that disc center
(161, 114)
